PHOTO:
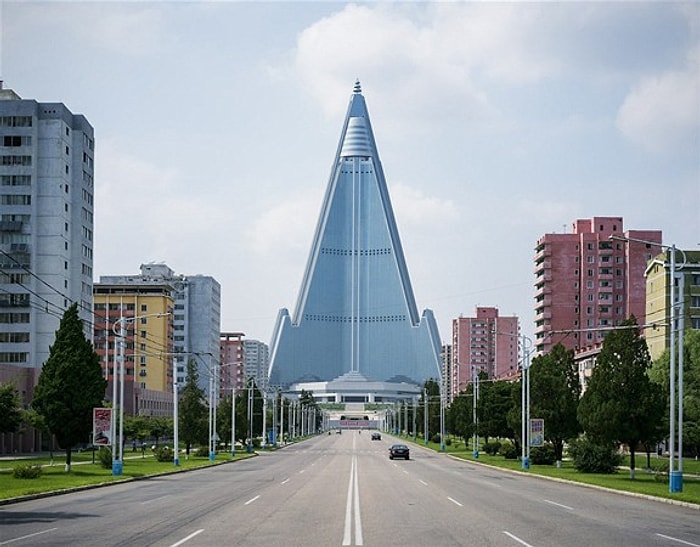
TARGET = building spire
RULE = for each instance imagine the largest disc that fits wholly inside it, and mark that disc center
(357, 88)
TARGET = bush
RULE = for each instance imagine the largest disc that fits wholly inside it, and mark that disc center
(590, 457)
(543, 455)
(435, 438)
(163, 453)
(492, 447)
(27, 471)
(508, 451)
(202, 452)
(448, 442)
(105, 457)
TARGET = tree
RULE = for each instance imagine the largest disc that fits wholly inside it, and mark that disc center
(495, 401)
(431, 388)
(459, 415)
(11, 413)
(70, 385)
(621, 404)
(223, 419)
(691, 389)
(193, 411)
(555, 390)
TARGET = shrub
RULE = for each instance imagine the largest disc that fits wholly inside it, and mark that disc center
(543, 455)
(591, 457)
(202, 452)
(163, 453)
(508, 451)
(435, 438)
(27, 471)
(105, 457)
(492, 447)
(448, 442)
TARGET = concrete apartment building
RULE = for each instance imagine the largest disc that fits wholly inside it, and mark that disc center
(486, 342)
(144, 312)
(46, 236)
(231, 375)
(256, 357)
(658, 298)
(196, 316)
(586, 283)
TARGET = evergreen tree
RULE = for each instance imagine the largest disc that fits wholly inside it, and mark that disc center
(555, 390)
(11, 414)
(621, 404)
(193, 411)
(495, 402)
(459, 415)
(70, 385)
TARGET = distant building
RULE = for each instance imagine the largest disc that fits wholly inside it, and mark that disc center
(486, 342)
(196, 316)
(232, 373)
(586, 283)
(356, 324)
(658, 298)
(144, 314)
(256, 357)
(46, 224)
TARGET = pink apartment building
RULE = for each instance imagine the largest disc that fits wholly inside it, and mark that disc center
(587, 283)
(231, 355)
(487, 343)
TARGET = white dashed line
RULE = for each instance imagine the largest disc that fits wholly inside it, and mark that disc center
(251, 500)
(183, 540)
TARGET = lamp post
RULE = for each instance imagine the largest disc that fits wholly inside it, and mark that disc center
(119, 331)
(675, 468)
(525, 404)
(475, 419)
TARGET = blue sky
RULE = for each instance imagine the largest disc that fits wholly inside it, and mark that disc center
(216, 125)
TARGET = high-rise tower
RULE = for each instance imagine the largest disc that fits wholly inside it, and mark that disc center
(356, 314)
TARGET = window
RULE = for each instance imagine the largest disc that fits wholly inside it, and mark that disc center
(590, 259)
(144, 334)
(589, 284)
(144, 307)
(144, 320)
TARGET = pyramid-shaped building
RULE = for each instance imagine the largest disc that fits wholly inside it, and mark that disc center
(356, 316)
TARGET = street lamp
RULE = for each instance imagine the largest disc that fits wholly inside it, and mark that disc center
(119, 330)
(525, 403)
(675, 468)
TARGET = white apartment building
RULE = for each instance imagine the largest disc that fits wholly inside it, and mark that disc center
(46, 226)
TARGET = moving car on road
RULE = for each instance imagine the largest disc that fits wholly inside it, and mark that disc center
(398, 451)
(376, 436)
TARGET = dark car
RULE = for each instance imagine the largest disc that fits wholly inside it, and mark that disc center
(376, 436)
(398, 451)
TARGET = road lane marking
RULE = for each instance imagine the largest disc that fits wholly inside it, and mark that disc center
(454, 501)
(251, 500)
(665, 537)
(183, 540)
(516, 538)
(28, 536)
(285, 481)
(559, 505)
(352, 504)
(152, 500)
(423, 482)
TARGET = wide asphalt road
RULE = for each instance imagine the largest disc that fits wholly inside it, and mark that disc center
(343, 490)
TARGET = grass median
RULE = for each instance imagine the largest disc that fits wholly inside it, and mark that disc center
(84, 472)
(650, 482)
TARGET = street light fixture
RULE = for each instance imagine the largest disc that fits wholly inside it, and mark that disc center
(675, 468)
(118, 449)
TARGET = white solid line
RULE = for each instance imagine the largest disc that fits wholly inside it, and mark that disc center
(285, 481)
(665, 537)
(252, 500)
(423, 482)
(28, 536)
(516, 538)
(454, 501)
(347, 533)
(183, 540)
(358, 518)
(559, 505)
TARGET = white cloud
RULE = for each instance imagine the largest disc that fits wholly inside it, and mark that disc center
(662, 112)
(411, 206)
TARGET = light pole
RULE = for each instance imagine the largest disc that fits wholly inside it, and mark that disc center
(176, 440)
(118, 449)
(475, 419)
(425, 419)
(675, 468)
(525, 404)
